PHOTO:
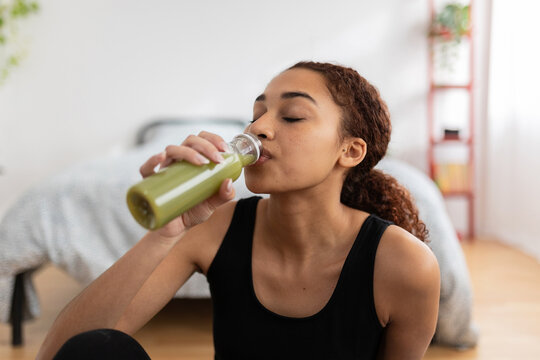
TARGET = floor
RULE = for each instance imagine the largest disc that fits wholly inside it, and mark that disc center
(506, 287)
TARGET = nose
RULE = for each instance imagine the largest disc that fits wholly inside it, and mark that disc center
(262, 127)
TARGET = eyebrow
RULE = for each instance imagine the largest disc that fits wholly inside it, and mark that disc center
(290, 95)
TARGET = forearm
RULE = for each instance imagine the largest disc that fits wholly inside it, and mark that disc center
(104, 301)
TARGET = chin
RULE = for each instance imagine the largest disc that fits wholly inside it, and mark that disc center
(258, 183)
(257, 187)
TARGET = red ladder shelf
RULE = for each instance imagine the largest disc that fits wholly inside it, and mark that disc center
(468, 191)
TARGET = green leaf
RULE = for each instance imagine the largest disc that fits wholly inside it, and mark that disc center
(9, 14)
(4, 73)
(21, 8)
(34, 6)
(13, 60)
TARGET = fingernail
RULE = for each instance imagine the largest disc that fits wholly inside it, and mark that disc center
(202, 159)
(225, 147)
(229, 185)
(217, 157)
(161, 165)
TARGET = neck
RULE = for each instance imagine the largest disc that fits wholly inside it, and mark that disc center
(307, 223)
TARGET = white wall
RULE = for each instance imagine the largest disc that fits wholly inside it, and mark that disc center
(97, 70)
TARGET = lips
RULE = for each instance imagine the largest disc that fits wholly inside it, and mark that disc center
(265, 156)
(266, 153)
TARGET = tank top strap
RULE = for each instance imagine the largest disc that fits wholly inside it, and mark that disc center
(358, 270)
(364, 250)
(369, 237)
(237, 242)
(243, 221)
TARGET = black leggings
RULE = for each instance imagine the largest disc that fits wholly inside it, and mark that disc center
(103, 344)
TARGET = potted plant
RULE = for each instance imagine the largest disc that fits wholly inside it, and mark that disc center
(448, 28)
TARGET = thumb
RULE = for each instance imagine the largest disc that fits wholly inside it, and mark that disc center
(226, 193)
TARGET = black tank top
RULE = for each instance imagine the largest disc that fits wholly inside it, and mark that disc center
(346, 328)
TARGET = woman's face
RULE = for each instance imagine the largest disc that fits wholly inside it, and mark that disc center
(297, 122)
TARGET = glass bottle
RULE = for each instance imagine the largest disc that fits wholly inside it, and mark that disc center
(165, 195)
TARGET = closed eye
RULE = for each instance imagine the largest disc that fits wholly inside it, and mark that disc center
(290, 119)
(287, 119)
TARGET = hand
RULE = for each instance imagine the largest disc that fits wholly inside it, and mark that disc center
(198, 150)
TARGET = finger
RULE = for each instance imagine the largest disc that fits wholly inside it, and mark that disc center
(204, 146)
(226, 193)
(215, 139)
(181, 152)
(147, 168)
(164, 164)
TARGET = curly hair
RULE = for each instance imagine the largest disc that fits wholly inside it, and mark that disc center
(365, 115)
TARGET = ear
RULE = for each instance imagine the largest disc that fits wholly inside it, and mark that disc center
(353, 151)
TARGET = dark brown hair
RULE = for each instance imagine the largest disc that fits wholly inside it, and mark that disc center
(365, 115)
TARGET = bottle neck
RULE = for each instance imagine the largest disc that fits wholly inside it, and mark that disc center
(248, 147)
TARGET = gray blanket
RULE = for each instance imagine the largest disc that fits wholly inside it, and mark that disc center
(79, 221)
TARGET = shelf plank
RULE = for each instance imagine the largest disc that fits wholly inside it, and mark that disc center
(460, 193)
(451, 86)
(451, 141)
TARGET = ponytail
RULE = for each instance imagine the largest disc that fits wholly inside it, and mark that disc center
(381, 194)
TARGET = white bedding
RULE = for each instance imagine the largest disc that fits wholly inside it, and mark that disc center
(79, 220)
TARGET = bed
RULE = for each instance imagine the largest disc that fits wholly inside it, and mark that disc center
(79, 221)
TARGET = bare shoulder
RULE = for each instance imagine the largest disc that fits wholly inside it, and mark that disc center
(405, 259)
(406, 270)
(203, 240)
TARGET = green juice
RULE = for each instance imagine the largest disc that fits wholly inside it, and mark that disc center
(170, 192)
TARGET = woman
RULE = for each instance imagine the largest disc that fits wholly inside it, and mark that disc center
(330, 266)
